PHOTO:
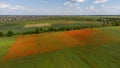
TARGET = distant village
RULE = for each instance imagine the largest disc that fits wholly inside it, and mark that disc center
(106, 20)
(24, 18)
(111, 21)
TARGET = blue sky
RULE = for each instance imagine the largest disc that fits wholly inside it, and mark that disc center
(59, 7)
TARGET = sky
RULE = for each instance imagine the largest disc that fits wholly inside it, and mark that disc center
(59, 7)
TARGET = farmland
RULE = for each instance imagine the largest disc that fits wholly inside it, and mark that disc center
(59, 34)
(28, 24)
(18, 26)
(59, 41)
(86, 48)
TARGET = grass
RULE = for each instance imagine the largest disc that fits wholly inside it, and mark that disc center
(88, 57)
(103, 54)
(5, 44)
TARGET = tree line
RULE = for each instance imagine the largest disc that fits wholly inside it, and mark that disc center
(47, 29)
(8, 34)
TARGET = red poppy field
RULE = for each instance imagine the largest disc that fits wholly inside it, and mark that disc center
(85, 48)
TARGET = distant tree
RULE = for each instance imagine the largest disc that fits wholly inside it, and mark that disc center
(115, 23)
(41, 30)
(51, 28)
(67, 29)
(1, 34)
(37, 31)
(24, 33)
(9, 34)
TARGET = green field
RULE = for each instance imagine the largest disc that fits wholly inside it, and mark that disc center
(18, 26)
(101, 49)
(5, 44)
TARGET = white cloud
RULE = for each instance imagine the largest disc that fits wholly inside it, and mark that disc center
(3, 5)
(74, 3)
(112, 8)
(100, 1)
(78, 7)
(103, 5)
(91, 10)
(77, 1)
(92, 7)
(67, 3)
(86, 5)
(6, 6)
